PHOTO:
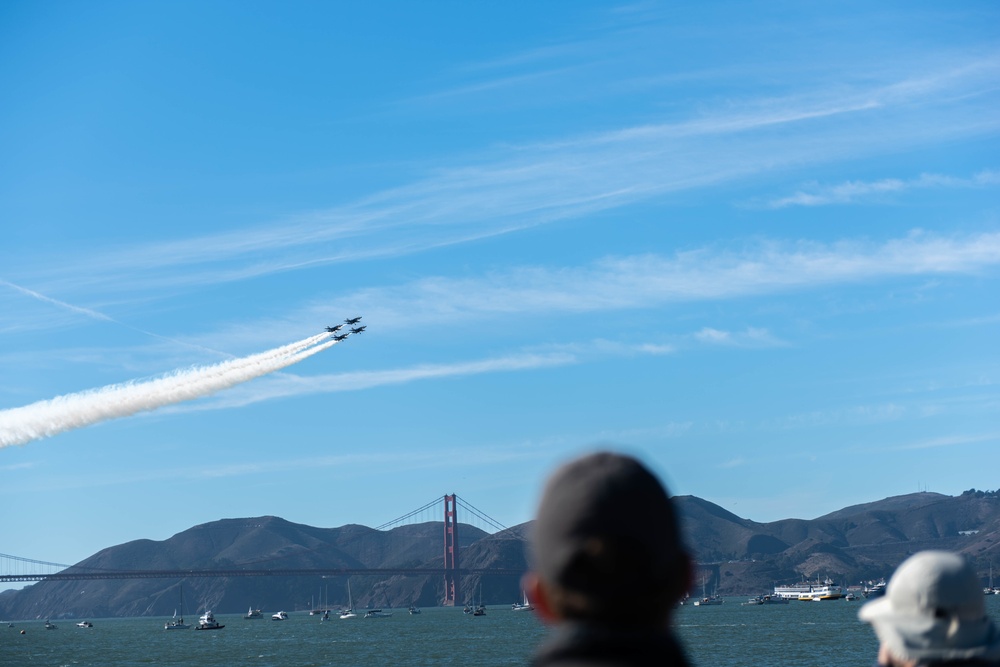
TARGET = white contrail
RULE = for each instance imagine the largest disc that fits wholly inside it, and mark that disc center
(63, 413)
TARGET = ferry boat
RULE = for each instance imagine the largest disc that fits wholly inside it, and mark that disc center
(826, 590)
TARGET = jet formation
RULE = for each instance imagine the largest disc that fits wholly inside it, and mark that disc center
(354, 330)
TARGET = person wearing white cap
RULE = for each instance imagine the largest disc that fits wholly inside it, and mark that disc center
(933, 613)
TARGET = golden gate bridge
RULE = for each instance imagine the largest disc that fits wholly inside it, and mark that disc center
(19, 569)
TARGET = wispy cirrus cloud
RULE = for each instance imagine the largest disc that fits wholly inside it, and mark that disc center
(651, 280)
(863, 191)
(750, 337)
(949, 441)
(510, 188)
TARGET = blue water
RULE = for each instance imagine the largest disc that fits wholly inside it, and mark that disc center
(798, 634)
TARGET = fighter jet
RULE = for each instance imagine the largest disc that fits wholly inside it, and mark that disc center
(340, 337)
(335, 329)
(352, 320)
(358, 329)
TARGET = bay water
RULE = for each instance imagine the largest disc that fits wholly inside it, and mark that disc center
(735, 635)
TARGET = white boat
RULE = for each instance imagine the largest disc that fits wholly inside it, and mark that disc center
(253, 613)
(377, 613)
(522, 606)
(177, 622)
(816, 590)
(765, 599)
(84, 624)
(349, 612)
(280, 616)
(874, 589)
(208, 622)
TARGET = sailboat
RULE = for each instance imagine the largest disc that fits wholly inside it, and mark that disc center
(177, 622)
(707, 600)
(480, 610)
(349, 612)
(522, 606)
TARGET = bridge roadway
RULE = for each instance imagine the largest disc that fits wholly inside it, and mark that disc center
(182, 574)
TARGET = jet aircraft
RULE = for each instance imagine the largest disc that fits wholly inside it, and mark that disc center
(340, 337)
(352, 320)
(358, 329)
(335, 329)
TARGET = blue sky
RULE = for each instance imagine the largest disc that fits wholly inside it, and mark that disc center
(756, 244)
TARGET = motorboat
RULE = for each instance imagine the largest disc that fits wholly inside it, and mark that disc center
(874, 590)
(50, 626)
(413, 610)
(708, 601)
(377, 613)
(253, 613)
(279, 616)
(84, 624)
(208, 622)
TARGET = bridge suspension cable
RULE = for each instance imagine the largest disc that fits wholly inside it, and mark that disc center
(32, 561)
(481, 515)
(409, 515)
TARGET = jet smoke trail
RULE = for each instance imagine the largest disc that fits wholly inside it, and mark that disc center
(63, 413)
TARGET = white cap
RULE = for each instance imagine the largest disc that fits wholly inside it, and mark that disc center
(933, 609)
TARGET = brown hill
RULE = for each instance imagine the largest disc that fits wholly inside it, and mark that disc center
(735, 556)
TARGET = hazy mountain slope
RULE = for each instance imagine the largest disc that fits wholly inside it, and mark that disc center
(734, 555)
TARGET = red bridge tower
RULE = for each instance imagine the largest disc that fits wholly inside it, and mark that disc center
(451, 579)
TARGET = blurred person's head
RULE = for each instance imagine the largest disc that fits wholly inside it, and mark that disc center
(606, 538)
